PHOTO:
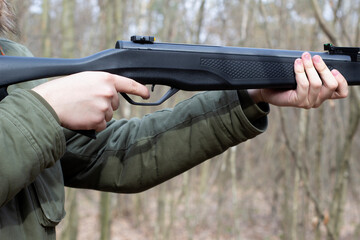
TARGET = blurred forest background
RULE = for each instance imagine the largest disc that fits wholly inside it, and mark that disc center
(299, 180)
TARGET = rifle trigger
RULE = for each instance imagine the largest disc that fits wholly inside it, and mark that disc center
(153, 87)
(167, 95)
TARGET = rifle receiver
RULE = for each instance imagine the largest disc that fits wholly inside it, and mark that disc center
(353, 52)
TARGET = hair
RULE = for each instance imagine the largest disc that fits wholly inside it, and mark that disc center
(7, 18)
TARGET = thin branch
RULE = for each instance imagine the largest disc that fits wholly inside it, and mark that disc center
(324, 26)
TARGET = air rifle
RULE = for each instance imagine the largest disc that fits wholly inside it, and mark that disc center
(184, 66)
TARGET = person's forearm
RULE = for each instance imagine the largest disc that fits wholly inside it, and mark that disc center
(142, 153)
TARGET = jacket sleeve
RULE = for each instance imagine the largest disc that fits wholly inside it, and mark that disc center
(134, 155)
(31, 140)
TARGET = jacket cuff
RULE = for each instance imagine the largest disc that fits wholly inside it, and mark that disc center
(46, 105)
(255, 113)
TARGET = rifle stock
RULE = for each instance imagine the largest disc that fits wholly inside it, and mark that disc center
(184, 66)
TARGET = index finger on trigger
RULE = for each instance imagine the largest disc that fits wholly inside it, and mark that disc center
(130, 86)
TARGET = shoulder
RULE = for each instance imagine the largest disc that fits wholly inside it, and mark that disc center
(12, 48)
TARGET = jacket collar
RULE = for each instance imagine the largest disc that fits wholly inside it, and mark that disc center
(2, 51)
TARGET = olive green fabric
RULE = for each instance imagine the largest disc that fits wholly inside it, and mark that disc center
(39, 157)
(139, 153)
(31, 143)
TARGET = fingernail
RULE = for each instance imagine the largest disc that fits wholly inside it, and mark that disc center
(317, 59)
(307, 56)
(298, 61)
(335, 72)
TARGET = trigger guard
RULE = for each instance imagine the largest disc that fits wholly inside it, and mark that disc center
(166, 96)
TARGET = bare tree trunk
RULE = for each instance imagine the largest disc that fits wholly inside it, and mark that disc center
(45, 29)
(110, 20)
(357, 31)
(108, 17)
(317, 169)
(188, 214)
(234, 192)
(169, 31)
(221, 183)
(70, 231)
(68, 47)
(246, 17)
(343, 157)
(120, 19)
(199, 21)
(68, 28)
(160, 220)
(300, 156)
(286, 210)
(264, 14)
(304, 176)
